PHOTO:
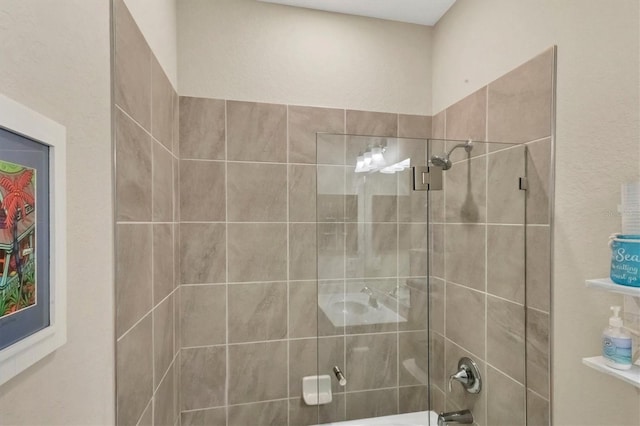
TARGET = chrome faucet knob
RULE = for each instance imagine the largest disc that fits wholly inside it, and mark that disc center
(461, 376)
(468, 375)
(366, 290)
(373, 300)
(394, 292)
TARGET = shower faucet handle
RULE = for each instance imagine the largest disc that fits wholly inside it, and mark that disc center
(461, 376)
(468, 375)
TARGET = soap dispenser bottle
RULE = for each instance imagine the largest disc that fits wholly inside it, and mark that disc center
(616, 343)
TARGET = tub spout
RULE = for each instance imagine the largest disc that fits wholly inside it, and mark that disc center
(455, 417)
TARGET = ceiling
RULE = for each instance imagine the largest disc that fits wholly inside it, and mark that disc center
(424, 12)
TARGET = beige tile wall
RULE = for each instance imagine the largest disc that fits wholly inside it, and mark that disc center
(217, 255)
(249, 251)
(146, 145)
(479, 304)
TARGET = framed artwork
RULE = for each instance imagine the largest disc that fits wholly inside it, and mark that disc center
(32, 237)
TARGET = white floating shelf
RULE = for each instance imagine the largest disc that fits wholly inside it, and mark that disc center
(629, 376)
(607, 285)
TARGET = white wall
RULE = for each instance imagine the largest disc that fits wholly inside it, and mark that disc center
(55, 59)
(597, 148)
(157, 21)
(253, 51)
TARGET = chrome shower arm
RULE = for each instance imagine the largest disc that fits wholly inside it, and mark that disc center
(468, 146)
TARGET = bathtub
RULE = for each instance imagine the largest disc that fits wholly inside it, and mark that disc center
(421, 418)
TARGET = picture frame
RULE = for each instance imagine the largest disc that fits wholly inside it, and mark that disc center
(33, 239)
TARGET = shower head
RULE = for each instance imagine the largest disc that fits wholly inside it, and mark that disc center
(441, 161)
(444, 161)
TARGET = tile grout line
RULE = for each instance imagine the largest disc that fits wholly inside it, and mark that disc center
(177, 309)
(153, 171)
(324, 281)
(125, 222)
(313, 222)
(546, 399)
(166, 372)
(150, 311)
(119, 108)
(532, 225)
(344, 264)
(193, 410)
(329, 337)
(504, 299)
(466, 287)
(176, 384)
(146, 407)
(226, 239)
(271, 163)
(473, 354)
(288, 263)
(173, 349)
(486, 244)
(177, 278)
(541, 311)
(507, 376)
(397, 186)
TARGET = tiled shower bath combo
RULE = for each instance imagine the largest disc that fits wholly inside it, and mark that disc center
(238, 230)
(249, 267)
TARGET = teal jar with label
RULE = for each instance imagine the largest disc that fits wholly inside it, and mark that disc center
(625, 259)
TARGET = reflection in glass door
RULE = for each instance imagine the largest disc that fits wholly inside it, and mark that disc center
(372, 241)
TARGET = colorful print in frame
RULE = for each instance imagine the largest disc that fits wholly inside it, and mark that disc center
(18, 283)
(24, 238)
(32, 237)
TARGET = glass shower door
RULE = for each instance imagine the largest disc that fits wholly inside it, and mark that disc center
(372, 257)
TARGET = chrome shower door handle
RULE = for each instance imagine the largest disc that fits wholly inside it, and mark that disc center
(341, 379)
